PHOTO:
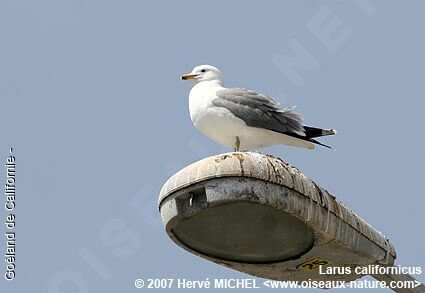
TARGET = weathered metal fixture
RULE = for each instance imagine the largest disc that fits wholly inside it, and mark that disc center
(257, 214)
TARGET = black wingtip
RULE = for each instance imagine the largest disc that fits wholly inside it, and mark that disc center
(312, 132)
(328, 132)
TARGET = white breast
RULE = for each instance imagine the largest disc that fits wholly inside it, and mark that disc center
(200, 99)
(217, 123)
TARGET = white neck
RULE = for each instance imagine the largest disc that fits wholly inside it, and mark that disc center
(215, 82)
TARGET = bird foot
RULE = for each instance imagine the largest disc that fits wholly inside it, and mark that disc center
(237, 144)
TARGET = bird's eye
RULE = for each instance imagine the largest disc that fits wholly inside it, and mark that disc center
(203, 70)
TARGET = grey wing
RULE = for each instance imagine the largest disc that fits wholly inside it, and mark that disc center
(259, 110)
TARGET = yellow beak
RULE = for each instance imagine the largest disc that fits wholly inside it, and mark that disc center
(188, 76)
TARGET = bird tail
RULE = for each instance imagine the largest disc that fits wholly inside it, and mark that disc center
(322, 144)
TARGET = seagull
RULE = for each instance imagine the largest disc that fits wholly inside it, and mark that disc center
(243, 119)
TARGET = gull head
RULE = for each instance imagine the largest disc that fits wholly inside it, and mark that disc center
(204, 73)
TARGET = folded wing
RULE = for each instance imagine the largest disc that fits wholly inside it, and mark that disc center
(260, 111)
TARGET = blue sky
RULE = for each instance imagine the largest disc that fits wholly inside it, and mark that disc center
(93, 106)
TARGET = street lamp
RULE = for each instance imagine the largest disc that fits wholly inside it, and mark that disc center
(257, 214)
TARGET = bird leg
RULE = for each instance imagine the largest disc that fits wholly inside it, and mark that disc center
(237, 144)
